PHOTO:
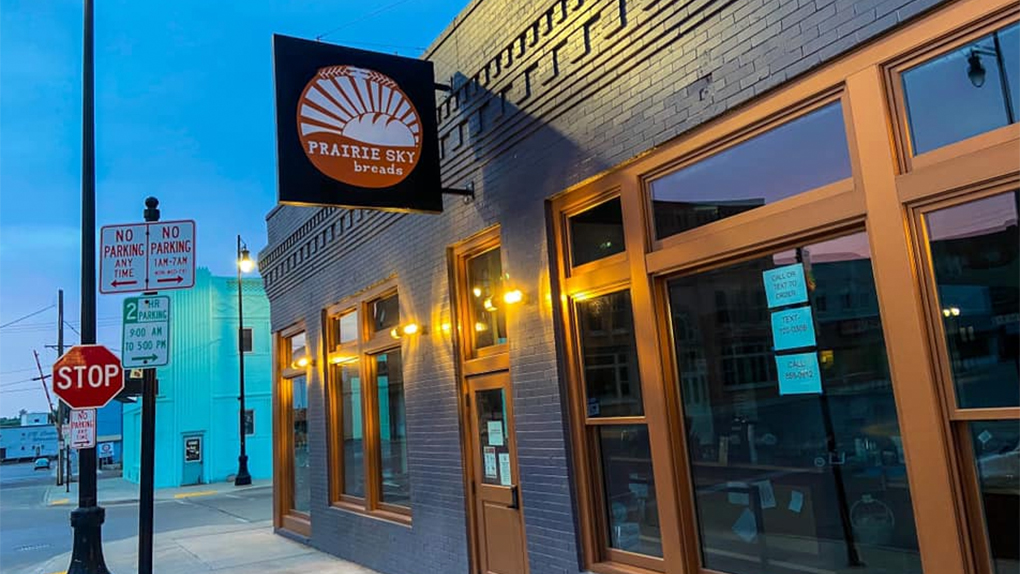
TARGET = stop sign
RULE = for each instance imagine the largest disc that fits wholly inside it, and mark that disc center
(87, 376)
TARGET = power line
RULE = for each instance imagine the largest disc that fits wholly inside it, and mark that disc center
(372, 14)
(33, 314)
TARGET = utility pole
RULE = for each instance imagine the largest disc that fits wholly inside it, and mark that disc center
(63, 458)
(87, 520)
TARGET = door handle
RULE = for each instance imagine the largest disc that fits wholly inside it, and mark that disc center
(515, 501)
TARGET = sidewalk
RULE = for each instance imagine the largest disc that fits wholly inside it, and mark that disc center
(224, 550)
(119, 491)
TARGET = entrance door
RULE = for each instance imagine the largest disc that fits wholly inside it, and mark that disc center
(192, 473)
(499, 524)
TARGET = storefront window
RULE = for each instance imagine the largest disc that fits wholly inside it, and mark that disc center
(803, 154)
(389, 381)
(964, 93)
(353, 454)
(794, 444)
(299, 438)
(609, 353)
(297, 350)
(597, 232)
(385, 313)
(493, 440)
(488, 312)
(997, 462)
(629, 486)
(974, 253)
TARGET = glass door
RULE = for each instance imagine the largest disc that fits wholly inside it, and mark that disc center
(971, 246)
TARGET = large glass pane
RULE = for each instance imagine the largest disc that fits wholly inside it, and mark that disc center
(597, 232)
(977, 273)
(485, 280)
(633, 517)
(964, 93)
(493, 441)
(299, 438)
(808, 152)
(389, 382)
(609, 354)
(794, 442)
(385, 313)
(350, 404)
(997, 461)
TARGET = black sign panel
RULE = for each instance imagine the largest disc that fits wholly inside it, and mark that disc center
(355, 128)
(193, 449)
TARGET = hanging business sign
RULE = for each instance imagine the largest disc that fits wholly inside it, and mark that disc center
(355, 128)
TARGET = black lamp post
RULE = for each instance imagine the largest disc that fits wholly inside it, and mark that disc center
(244, 264)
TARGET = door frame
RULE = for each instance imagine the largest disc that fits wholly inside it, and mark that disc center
(469, 363)
(284, 515)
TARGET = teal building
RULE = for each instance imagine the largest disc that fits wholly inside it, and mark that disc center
(197, 405)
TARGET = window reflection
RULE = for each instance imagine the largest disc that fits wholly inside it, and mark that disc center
(633, 517)
(348, 327)
(795, 448)
(389, 380)
(385, 313)
(597, 232)
(997, 461)
(808, 152)
(488, 310)
(350, 403)
(299, 438)
(974, 251)
(297, 347)
(609, 354)
(964, 93)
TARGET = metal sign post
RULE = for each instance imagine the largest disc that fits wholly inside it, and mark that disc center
(148, 450)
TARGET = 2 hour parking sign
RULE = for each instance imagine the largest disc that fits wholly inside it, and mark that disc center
(146, 335)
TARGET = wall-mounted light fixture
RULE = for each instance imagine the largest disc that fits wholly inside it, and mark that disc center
(487, 303)
(407, 330)
(513, 296)
(951, 312)
(302, 363)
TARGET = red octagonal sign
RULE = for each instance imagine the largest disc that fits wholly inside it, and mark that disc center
(88, 376)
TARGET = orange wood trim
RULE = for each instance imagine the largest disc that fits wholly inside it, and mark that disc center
(640, 561)
(987, 414)
(929, 473)
(653, 392)
(489, 364)
(992, 163)
(299, 524)
(603, 278)
(610, 421)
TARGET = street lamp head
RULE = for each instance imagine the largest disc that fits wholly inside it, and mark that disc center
(975, 69)
(245, 263)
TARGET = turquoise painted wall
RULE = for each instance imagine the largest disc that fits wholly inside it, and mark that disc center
(198, 390)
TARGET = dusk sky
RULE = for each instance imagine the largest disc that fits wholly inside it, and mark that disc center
(184, 112)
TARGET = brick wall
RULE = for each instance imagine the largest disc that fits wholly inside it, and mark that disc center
(547, 93)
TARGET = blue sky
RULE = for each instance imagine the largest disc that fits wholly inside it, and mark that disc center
(184, 112)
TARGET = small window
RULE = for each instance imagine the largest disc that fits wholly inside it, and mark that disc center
(806, 153)
(351, 448)
(298, 350)
(964, 93)
(597, 232)
(246, 340)
(609, 355)
(629, 487)
(488, 312)
(348, 327)
(385, 313)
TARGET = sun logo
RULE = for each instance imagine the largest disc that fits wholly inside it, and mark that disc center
(358, 127)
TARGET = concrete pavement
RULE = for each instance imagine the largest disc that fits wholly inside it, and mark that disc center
(119, 491)
(221, 549)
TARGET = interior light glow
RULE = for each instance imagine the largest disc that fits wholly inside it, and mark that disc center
(513, 296)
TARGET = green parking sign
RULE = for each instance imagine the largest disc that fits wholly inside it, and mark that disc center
(146, 340)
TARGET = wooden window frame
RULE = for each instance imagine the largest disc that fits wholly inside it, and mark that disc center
(885, 186)
(284, 515)
(485, 358)
(939, 46)
(365, 347)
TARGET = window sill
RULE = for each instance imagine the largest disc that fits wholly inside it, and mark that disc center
(619, 568)
(378, 514)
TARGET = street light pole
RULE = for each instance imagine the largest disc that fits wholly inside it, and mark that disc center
(244, 263)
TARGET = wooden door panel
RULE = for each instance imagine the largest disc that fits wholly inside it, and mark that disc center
(504, 550)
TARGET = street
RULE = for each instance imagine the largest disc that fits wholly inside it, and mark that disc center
(34, 531)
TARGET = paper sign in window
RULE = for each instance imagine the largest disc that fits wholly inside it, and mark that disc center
(785, 285)
(793, 328)
(504, 469)
(798, 374)
(490, 461)
(495, 433)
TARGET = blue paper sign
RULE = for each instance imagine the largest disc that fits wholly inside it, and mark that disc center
(793, 328)
(799, 374)
(785, 285)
